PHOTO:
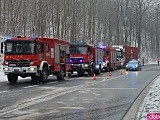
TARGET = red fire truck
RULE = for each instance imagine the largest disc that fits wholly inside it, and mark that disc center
(35, 57)
(85, 57)
(109, 59)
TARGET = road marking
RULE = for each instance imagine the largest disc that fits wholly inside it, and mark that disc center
(31, 86)
(103, 77)
(71, 78)
(3, 92)
(52, 82)
(88, 78)
(72, 108)
(114, 88)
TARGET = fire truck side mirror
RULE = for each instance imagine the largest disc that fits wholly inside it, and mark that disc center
(107, 52)
(2, 47)
(90, 49)
(123, 52)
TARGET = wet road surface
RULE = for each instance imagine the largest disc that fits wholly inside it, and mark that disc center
(76, 98)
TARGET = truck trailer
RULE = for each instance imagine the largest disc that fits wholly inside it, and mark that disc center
(125, 54)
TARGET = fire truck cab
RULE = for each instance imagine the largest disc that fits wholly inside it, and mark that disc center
(35, 57)
(82, 58)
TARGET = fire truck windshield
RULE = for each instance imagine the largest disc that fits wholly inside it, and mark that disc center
(119, 54)
(19, 47)
(78, 49)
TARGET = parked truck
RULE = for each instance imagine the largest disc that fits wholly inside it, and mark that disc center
(124, 54)
(109, 59)
(85, 57)
(35, 57)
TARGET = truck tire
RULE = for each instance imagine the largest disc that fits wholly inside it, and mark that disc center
(69, 75)
(106, 69)
(111, 69)
(12, 78)
(60, 75)
(98, 71)
(35, 79)
(43, 75)
(80, 73)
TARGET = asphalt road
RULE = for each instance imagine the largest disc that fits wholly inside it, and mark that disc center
(76, 98)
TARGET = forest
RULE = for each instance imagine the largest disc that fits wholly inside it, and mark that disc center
(113, 22)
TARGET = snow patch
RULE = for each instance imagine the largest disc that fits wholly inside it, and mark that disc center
(151, 101)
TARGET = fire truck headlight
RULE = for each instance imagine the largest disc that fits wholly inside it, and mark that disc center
(104, 63)
(5, 69)
(97, 66)
(85, 65)
(31, 69)
(6, 62)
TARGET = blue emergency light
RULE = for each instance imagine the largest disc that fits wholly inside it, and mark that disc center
(9, 38)
(70, 61)
(80, 60)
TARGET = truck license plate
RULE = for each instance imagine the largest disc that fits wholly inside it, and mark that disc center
(16, 70)
(12, 65)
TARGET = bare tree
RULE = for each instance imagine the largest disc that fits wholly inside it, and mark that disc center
(126, 22)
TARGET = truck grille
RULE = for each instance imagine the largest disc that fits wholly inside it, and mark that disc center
(76, 66)
(19, 63)
(76, 60)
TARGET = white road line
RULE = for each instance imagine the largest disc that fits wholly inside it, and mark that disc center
(103, 77)
(88, 78)
(52, 82)
(72, 108)
(114, 88)
(3, 92)
(70, 79)
(31, 86)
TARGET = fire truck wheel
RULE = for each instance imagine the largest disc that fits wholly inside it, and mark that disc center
(69, 75)
(12, 78)
(60, 76)
(80, 73)
(98, 71)
(35, 79)
(111, 69)
(43, 75)
(106, 69)
(90, 73)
